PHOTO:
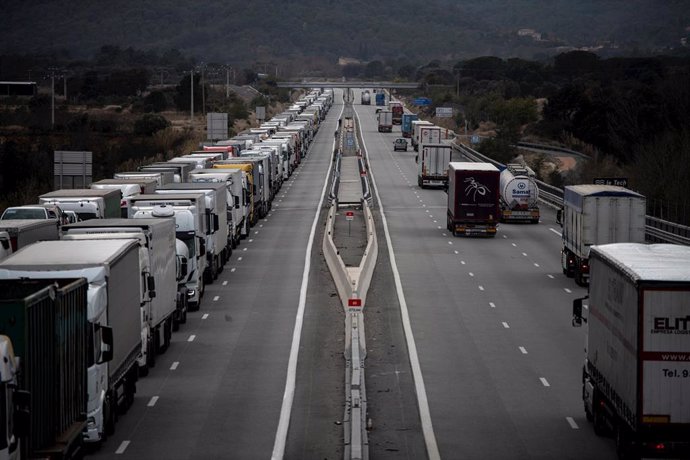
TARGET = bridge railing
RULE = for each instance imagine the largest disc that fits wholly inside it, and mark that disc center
(657, 230)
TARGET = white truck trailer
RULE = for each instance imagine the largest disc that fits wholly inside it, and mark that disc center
(161, 308)
(519, 194)
(636, 375)
(86, 203)
(432, 165)
(597, 214)
(385, 121)
(111, 268)
(22, 232)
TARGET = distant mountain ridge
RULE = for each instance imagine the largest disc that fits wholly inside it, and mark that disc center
(261, 30)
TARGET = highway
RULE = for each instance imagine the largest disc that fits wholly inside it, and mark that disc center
(490, 318)
(491, 321)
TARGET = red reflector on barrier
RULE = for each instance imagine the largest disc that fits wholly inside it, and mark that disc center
(354, 302)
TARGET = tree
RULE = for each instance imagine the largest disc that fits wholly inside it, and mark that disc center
(149, 124)
(155, 101)
(374, 69)
(576, 63)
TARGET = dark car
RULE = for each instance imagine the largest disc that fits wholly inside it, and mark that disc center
(400, 144)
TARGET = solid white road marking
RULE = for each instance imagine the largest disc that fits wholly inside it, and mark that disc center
(523, 350)
(556, 232)
(204, 316)
(571, 422)
(191, 338)
(174, 365)
(289, 393)
(506, 325)
(544, 382)
(122, 448)
(422, 400)
(153, 401)
(492, 305)
(215, 299)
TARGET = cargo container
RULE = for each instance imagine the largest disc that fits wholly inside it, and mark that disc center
(385, 121)
(406, 125)
(86, 203)
(473, 203)
(432, 165)
(22, 232)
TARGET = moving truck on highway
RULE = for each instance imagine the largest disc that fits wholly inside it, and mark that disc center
(160, 308)
(380, 98)
(416, 126)
(597, 214)
(406, 125)
(188, 210)
(86, 203)
(519, 194)
(636, 375)
(366, 97)
(473, 207)
(432, 165)
(236, 197)
(218, 243)
(112, 270)
(397, 109)
(385, 120)
(43, 360)
(23, 232)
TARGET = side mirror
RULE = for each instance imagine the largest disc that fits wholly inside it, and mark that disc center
(183, 267)
(577, 312)
(416, 158)
(216, 223)
(559, 216)
(151, 286)
(237, 202)
(106, 345)
(202, 247)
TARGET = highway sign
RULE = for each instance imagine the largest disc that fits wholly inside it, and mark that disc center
(475, 139)
(444, 112)
(422, 101)
(620, 181)
(216, 126)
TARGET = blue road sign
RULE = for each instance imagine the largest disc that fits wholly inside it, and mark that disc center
(422, 101)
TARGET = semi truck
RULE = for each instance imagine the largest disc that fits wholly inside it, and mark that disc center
(86, 203)
(636, 374)
(111, 268)
(161, 177)
(237, 198)
(416, 126)
(218, 244)
(366, 97)
(44, 355)
(519, 194)
(22, 232)
(259, 197)
(406, 125)
(473, 207)
(397, 109)
(432, 165)
(380, 98)
(190, 220)
(161, 307)
(385, 121)
(597, 214)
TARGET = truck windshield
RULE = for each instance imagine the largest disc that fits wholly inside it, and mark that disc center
(87, 215)
(188, 239)
(24, 213)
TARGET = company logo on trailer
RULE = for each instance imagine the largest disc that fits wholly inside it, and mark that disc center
(668, 325)
(475, 188)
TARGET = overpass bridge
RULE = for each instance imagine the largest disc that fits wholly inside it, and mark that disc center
(348, 84)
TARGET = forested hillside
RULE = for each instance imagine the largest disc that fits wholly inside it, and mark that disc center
(261, 30)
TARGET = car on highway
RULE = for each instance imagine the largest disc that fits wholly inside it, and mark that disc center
(400, 144)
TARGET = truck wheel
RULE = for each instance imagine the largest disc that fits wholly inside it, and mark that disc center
(150, 353)
(624, 446)
(599, 419)
(109, 414)
(144, 370)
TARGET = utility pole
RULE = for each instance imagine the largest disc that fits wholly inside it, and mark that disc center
(191, 84)
(227, 82)
(52, 98)
(203, 92)
(64, 87)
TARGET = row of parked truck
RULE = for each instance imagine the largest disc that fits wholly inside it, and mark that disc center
(85, 306)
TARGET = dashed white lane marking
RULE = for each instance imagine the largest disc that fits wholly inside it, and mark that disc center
(450, 242)
(251, 241)
(191, 338)
(471, 274)
(439, 227)
(123, 446)
(261, 225)
(524, 254)
(444, 234)
(544, 382)
(456, 252)
(481, 288)
(556, 231)
(239, 258)
(505, 237)
(256, 232)
(205, 315)
(215, 299)
(536, 264)
(571, 422)
(492, 305)
(427, 210)
(232, 270)
(174, 365)
(225, 283)
(435, 221)
(245, 248)
(568, 290)
(523, 350)
(153, 401)
(506, 325)
(550, 276)
(514, 245)
(462, 262)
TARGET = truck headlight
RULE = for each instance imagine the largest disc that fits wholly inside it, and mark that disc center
(191, 292)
